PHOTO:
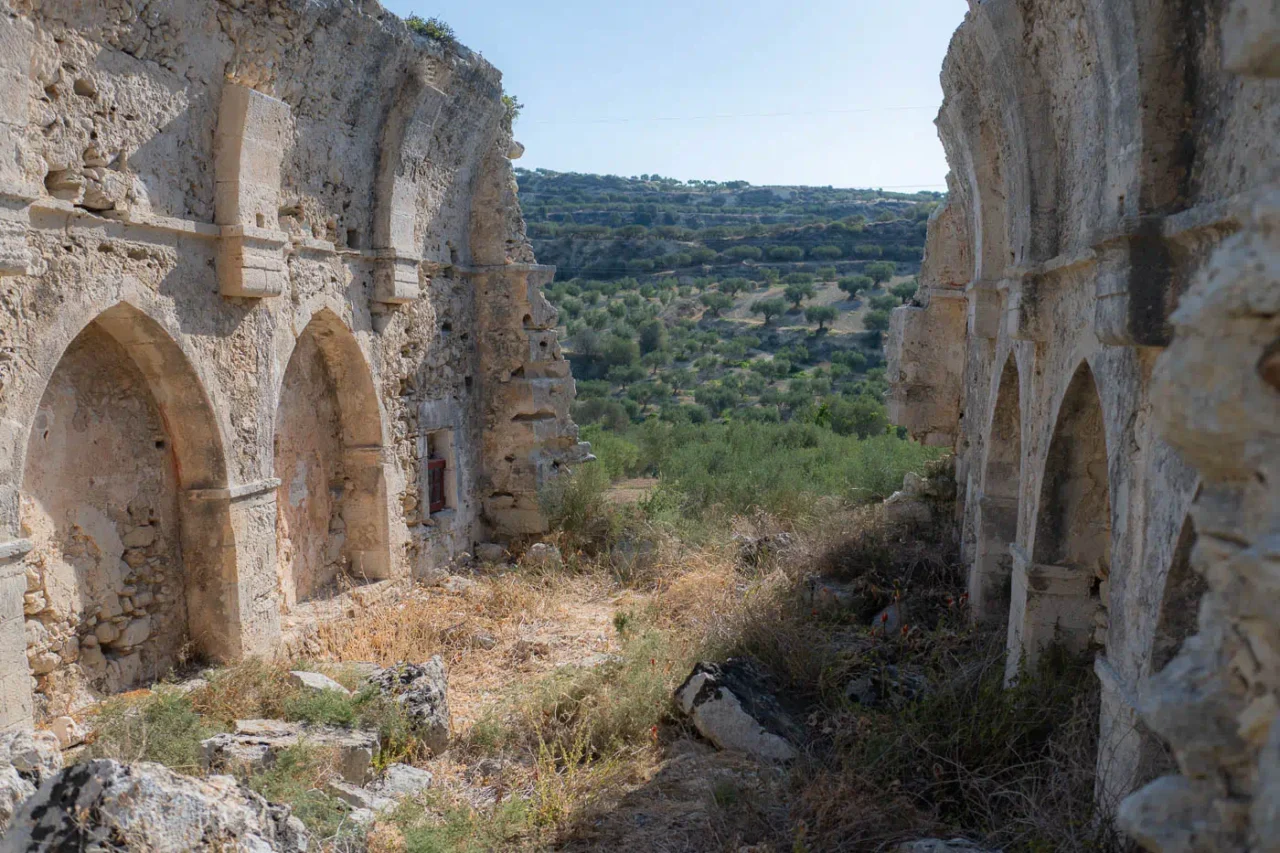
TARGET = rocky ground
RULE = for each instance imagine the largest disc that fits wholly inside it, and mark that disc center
(721, 698)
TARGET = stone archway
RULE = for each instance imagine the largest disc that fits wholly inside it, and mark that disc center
(331, 520)
(1060, 593)
(992, 569)
(125, 576)
(1176, 621)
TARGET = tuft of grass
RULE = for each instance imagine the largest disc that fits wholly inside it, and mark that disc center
(576, 507)
(160, 726)
(297, 778)
(436, 825)
(432, 28)
(592, 713)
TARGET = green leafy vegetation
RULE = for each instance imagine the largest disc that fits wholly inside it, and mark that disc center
(432, 28)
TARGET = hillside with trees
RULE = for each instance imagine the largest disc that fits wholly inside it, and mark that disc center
(690, 303)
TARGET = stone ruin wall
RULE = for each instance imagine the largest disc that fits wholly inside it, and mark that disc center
(1098, 338)
(256, 258)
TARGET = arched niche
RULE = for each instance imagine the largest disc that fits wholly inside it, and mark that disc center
(992, 569)
(1060, 592)
(128, 574)
(331, 518)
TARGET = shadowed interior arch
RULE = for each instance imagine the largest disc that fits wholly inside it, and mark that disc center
(1060, 592)
(998, 505)
(331, 521)
(129, 568)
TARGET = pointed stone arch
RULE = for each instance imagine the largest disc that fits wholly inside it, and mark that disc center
(132, 560)
(1060, 592)
(331, 521)
(989, 577)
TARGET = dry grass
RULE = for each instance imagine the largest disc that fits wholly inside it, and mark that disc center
(557, 746)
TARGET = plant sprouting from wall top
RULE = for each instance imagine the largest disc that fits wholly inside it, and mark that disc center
(432, 28)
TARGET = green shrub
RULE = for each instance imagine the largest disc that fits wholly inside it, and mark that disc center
(785, 469)
(296, 777)
(434, 28)
(161, 727)
(616, 455)
(575, 504)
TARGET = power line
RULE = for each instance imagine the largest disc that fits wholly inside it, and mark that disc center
(716, 116)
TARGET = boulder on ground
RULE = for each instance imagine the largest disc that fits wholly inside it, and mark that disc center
(396, 783)
(542, 556)
(423, 691)
(401, 780)
(255, 744)
(315, 681)
(830, 596)
(27, 759)
(68, 732)
(732, 706)
(105, 805)
(491, 552)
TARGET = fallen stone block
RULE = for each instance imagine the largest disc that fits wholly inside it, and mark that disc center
(255, 744)
(423, 691)
(68, 732)
(731, 705)
(357, 797)
(105, 805)
(490, 552)
(401, 780)
(316, 681)
(27, 759)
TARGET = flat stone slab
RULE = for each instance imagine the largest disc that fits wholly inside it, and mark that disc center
(316, 681)
(255, 744)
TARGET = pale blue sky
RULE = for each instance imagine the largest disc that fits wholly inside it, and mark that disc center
(630, 88)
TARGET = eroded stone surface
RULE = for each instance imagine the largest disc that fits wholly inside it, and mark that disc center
(240, 318)
(1094, 337)
(731, 706)
(106, 805)
(255, 744)
(423, 691)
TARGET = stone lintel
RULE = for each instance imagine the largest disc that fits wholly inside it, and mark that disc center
(395, 277)
(235, 493)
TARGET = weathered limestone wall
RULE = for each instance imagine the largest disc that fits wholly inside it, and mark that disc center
(270, 229)
(1100, 153)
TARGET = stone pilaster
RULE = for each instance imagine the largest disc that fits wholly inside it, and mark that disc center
(249, 147)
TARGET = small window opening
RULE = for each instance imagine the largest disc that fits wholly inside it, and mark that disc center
(261, 220)
(440, 484)
(435, 483)
(353, 238)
